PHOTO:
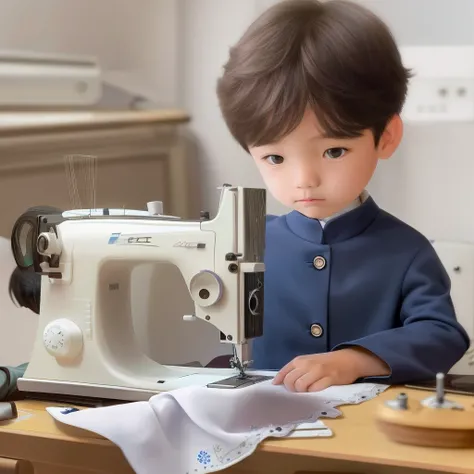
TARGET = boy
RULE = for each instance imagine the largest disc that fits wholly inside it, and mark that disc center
(313, 91)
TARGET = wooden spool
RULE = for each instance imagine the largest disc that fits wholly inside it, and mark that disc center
(434, 421)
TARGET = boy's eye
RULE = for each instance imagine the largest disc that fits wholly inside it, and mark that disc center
(335, 153)
(274, 159)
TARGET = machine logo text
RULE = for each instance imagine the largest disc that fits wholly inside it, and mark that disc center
(190, 245)
(139, 240)
(123, 239)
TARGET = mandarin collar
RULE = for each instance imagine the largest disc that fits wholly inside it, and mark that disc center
(338, 229)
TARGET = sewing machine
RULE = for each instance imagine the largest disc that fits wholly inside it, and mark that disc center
(85, 343)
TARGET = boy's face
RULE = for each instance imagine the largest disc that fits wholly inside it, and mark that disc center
(320, 176)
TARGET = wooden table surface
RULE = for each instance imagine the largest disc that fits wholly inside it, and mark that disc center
(36, 436)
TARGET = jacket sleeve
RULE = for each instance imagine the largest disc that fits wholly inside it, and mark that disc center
(430, 339)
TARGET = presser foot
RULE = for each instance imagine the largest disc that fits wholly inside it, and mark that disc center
(236, 363)
(243, 379)
(239, 381)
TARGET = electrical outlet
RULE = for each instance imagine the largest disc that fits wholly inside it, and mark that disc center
(442, 88)
(445, 99)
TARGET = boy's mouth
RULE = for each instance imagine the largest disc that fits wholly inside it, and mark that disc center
(308, 200)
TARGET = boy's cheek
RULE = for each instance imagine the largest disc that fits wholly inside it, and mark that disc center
(270, 179)
(280, 190)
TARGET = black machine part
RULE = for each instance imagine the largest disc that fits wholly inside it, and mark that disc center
(25, 289)
(25, 281)
(25, 235)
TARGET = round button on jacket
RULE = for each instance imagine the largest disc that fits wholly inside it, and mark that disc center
(316, 330)
(319, 262)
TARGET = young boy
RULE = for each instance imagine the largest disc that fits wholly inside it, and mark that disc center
(313, 91)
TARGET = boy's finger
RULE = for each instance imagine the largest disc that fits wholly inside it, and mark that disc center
(280, 376)
(303, 383)
(291, 379)
(320, 385)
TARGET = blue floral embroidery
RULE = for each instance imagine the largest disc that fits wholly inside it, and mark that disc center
(203, 457)
(66, 411)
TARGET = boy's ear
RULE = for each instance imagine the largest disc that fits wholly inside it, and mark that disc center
(391, 138)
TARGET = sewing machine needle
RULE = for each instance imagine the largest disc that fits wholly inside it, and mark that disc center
(237, 363)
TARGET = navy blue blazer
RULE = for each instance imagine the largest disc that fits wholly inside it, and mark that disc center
(367, 279)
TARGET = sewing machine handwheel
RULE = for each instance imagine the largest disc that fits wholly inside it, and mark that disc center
(206, 288)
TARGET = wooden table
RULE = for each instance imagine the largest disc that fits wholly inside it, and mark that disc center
(356, 447)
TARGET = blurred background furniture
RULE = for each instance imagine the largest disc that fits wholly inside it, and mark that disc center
(142, 155)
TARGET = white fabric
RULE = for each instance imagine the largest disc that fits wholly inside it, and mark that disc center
(199, 429)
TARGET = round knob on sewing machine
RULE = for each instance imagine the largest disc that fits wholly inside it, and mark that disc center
(48, 244)
(155, 208)
(63, 339)
(205, 288)
(432, 421)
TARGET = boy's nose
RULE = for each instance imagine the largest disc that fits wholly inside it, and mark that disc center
(307, 178)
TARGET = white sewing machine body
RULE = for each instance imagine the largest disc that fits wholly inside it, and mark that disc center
(85, 344)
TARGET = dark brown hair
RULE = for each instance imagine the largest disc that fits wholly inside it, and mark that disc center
(336, 57)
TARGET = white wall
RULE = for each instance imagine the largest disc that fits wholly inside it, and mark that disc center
(210, 27)
(428, 183)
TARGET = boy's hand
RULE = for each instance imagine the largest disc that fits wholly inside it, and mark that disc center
(312, 373)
